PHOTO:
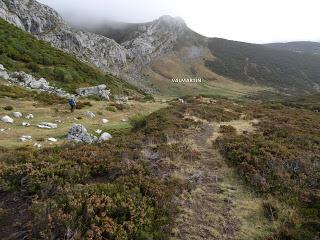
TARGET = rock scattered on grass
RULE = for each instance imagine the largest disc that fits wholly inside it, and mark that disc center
(7, 119)
(46, 125)
(105, 137)
(25, 138)
(25, 124)
(29, 116)
(89, 114)
(38, 145)
(17, 114)
(105, 120)
(52, 139)
(79, 134)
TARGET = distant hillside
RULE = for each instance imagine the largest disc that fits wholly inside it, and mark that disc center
(300, 47)
(20, 51)
(252, 63)
(220, 60)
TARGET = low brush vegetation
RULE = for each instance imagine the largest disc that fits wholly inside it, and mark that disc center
(20, 51)
(281, 158)
(124, 189)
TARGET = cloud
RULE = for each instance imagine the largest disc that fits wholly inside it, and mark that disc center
(244, 20)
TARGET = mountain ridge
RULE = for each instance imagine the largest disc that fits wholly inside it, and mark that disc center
(149, 55)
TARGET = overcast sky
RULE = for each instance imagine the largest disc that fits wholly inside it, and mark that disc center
(258, 21)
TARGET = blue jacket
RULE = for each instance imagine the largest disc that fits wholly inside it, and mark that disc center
(72, 102)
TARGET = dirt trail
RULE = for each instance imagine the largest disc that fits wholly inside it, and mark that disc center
(206, 210)
(218, 207)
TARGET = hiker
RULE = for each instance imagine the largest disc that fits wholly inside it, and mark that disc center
(72, 103)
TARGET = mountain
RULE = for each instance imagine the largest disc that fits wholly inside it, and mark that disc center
(299, 47)
(20, 51)
(150, 54)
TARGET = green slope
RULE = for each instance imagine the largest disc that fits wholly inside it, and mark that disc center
(20, 51)
(253, 63)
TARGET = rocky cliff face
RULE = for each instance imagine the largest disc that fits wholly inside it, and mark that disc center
(153, 39)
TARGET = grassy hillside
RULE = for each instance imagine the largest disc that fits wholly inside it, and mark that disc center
(20, 51)
(252, 63)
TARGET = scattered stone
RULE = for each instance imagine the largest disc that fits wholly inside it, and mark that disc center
(25, 124)
(25, 138)
(181, 100)
(28, 81)
(3, 73)
(105, 137)
(2, 129)
(78, 133)
(89, 114)
(58, 121)
(99, 131)
(17, 114)
(38, 145)
(7, 119)
(47, 125)
(29, 116)
(100, 91)
(124, 120)
(52, 140)
(105, 120)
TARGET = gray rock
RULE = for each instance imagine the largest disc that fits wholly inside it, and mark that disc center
(104, 120)
(25, 124)
(105, 137)
(29, 116)
(3, 73)
(37, 145)
(25, 138)
(89, 114)
(52, 139)
(7, 119)
(79, 134)
(17, 114)
(46, 125)
(100, 91)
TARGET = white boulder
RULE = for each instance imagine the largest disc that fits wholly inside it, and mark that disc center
(17, 114)
(46, 125)
(105, 120)
(25, 124)
(52, 139)
(7, 119)
(89, 114)
(38, 145)
(105, 137)
(29, 116)
(25, 138)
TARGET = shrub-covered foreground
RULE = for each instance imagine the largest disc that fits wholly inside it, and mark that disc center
(106, 191)
(123, 190)
(282, 158)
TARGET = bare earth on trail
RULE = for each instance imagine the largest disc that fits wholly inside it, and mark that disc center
(219, 206)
